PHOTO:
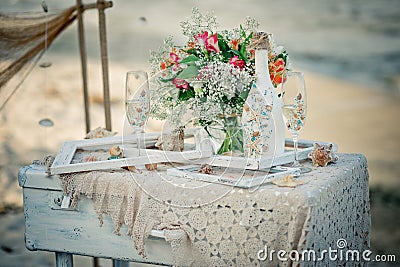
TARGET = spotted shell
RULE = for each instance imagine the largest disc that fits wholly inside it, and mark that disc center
(321, 155)
(206, 169)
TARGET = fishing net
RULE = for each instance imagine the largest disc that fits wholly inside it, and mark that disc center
(24, 38)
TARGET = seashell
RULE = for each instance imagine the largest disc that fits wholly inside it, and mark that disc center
(115, 151)
(206, 169)
(99, 133)
(321, 155)
(132, 169)
(151, 166)
(288, 181)
(173, 141)
(90, 158)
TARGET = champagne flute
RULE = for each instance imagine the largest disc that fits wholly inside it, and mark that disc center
(137, 102)
(294, 109)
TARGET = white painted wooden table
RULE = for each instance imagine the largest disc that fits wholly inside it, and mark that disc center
(48, 227)
(333, 204)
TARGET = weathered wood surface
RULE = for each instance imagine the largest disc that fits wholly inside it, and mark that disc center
(48, 227)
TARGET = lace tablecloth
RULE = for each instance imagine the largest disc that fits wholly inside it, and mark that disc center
(217, 225)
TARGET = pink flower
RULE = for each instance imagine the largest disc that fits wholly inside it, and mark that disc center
(173, 57)
(180, 83)
(212, 43)
(209, 42)
(201, 38)
(235, 61)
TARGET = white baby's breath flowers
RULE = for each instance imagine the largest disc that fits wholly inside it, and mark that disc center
(223, 80)
(198, 23)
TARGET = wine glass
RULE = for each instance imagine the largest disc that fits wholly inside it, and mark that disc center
(137, 102)
(294, 109)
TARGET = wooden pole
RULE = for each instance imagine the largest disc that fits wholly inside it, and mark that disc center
(104, 61)
(82, 49)
(64, 260)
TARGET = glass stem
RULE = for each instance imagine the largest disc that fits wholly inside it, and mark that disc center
(138, 132)
(295, 144)
(138, 141)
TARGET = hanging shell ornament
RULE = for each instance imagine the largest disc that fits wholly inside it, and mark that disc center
(288, 181)
(321, 155)
(173, 141)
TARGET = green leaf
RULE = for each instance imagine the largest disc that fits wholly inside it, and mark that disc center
(236, 52)
(189, 72)
(166, 80)
(191, 58)
(243, 52)
(192, 51)
(244, 94)
(184, 95)
(247, 40)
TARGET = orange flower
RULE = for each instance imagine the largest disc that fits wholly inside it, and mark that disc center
(279, 65)
(235, 44)
(163, 65)
(252, 54)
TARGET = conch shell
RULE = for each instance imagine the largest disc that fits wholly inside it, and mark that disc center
(321, 155)
(288, 181)
(173, 141)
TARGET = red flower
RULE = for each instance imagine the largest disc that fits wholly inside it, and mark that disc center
(180, 83)
(235, 61)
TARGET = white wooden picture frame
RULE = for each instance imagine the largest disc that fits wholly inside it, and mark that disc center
(239, 178)
(304, 148)
(63, 161)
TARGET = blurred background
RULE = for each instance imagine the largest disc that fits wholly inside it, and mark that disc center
(348, 49)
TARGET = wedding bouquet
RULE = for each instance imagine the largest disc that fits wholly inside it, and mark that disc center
(211, 75)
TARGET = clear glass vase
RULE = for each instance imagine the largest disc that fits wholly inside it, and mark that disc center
(228, 135)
